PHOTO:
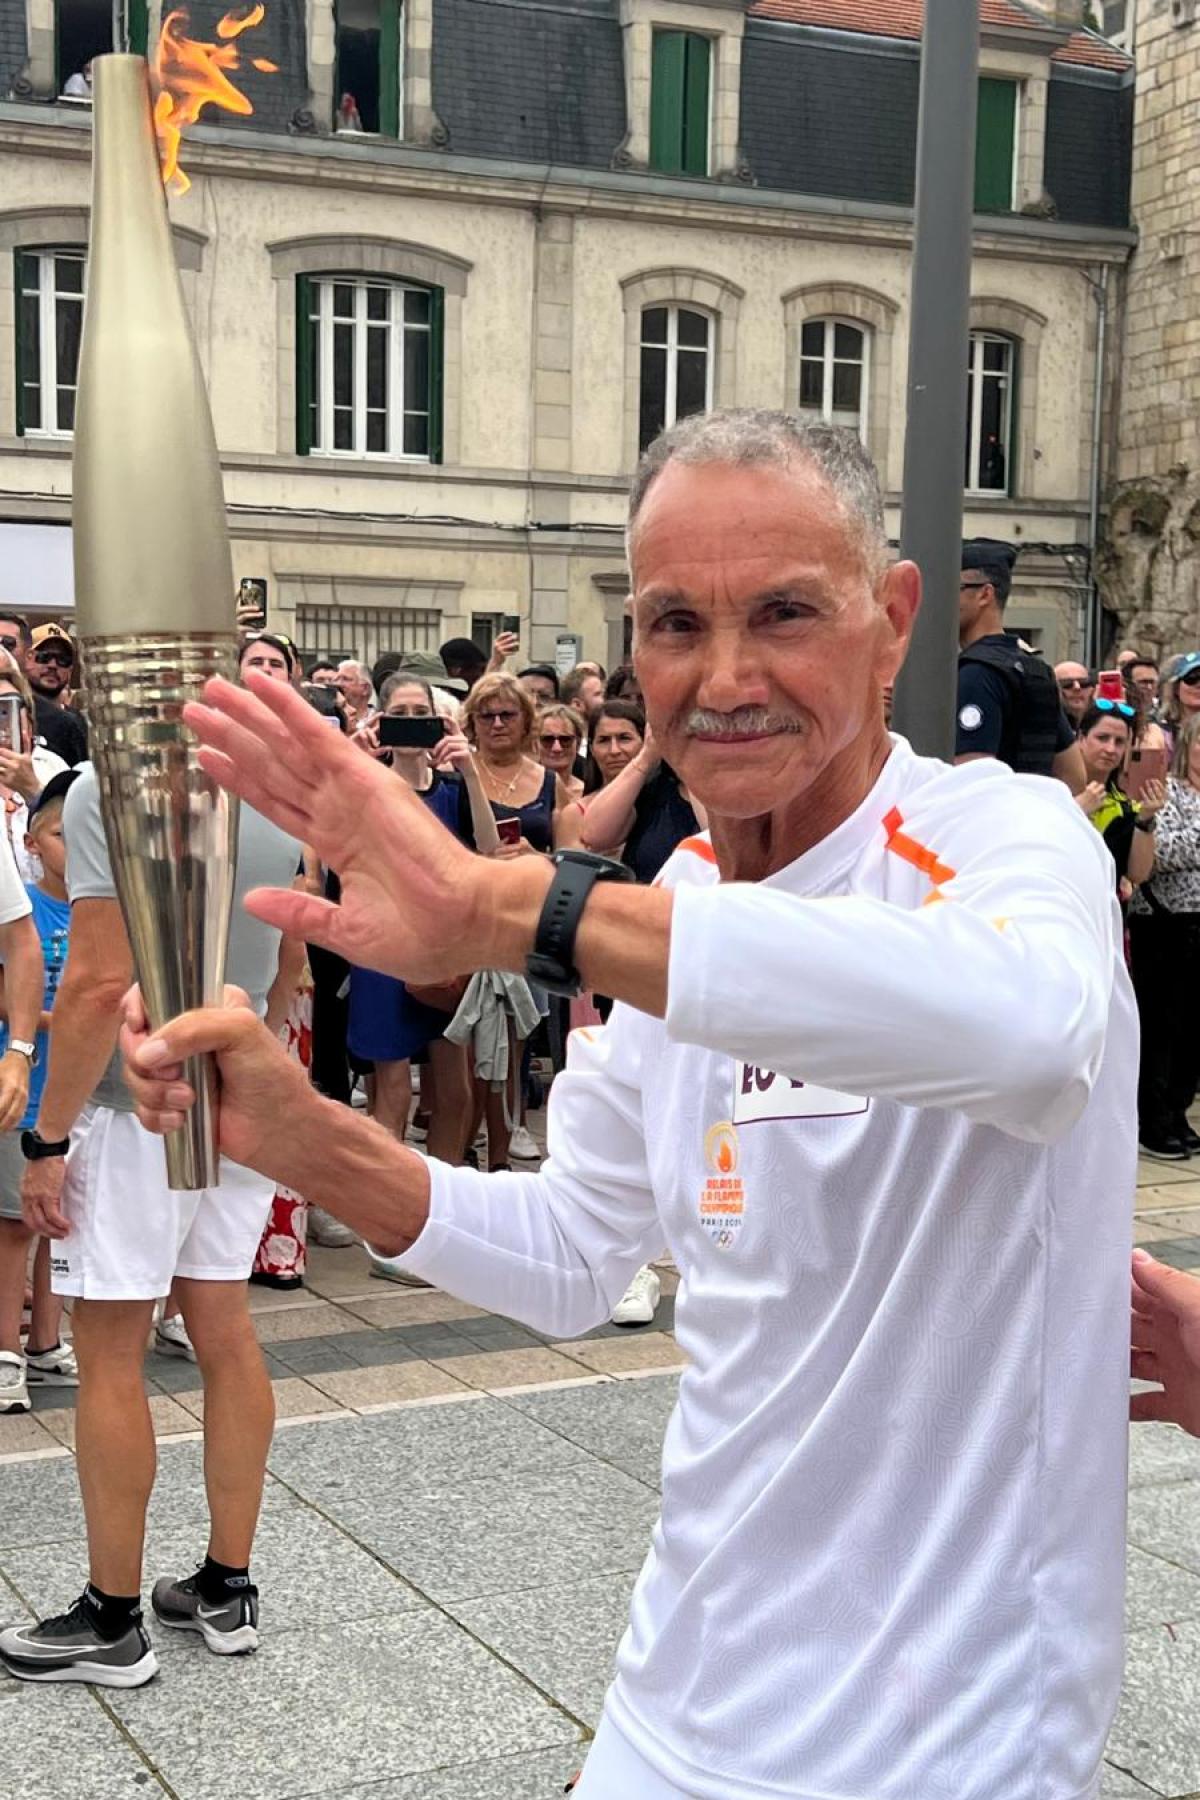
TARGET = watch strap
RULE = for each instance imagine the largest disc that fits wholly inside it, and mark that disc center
(23, 1047)
(551, 963)
(35, 1148)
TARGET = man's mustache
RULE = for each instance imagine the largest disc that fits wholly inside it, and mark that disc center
(756, 720)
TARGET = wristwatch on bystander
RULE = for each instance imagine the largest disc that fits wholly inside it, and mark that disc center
(23, 1047)
(551, 963)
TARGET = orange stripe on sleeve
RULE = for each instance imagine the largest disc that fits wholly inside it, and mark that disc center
(910, 851)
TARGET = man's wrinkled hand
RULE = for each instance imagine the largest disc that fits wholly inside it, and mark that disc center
(1166, 1343)
(263, 1095)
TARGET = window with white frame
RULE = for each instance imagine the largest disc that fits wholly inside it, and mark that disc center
(991, 378)
(50, 288)
(369, 366)
(834, 357)
(676, 376)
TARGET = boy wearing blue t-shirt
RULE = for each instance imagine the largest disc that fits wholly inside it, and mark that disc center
(46, 1357)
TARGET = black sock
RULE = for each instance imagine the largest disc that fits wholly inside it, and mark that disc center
(217, 1581)
(111, 1614)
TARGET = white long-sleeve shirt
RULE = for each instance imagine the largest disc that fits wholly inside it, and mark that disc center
(888, 1133)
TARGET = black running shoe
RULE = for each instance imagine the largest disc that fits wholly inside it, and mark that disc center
(229, 1629)
(69, 1648)
(1164, 1149)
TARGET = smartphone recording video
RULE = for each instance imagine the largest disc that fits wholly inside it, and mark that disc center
(410, 734)
(508, 831)
(1111, 685)
(10, 722)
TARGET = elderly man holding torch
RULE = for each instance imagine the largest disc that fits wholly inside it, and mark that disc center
(870, 1075)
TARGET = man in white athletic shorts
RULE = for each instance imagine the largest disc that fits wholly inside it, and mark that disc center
(123, 1235)
(870, 1075)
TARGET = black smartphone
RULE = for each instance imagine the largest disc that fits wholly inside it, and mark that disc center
(397, 733)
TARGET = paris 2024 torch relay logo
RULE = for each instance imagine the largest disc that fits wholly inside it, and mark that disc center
(723, 1197)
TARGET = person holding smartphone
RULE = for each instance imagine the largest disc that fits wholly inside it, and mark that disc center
(25, 766)
(389, 1026)
(1126, 825)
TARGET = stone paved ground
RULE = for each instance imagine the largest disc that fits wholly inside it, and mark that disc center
(455, 1513)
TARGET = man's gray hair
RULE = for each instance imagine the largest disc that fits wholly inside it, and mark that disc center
(745, 435)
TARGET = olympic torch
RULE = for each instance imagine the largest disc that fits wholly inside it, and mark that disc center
(153, 586)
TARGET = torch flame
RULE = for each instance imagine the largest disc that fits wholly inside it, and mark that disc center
(724, 1158)
(190, 75)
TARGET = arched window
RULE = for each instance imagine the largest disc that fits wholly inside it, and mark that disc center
(991, 412)
(835, 372)
(676, 367)
(49, 317)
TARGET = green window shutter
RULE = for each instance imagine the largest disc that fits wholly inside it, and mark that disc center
(995, 143)
(667, 78)
(697, 66)
(137, 25)
(389, 68)
(304, 363)
(437, 341)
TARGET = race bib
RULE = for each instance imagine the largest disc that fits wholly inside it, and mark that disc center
(759, 1094)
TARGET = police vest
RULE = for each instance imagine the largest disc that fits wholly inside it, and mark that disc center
(1029, 741)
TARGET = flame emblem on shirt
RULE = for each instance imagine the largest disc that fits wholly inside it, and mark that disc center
(723, 1196)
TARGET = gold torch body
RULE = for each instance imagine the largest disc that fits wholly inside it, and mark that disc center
(153, 587)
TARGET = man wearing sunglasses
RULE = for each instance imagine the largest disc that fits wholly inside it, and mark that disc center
(1008, 700)
(58, 726)
(1076, 685)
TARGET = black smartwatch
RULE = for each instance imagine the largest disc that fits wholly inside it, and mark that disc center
(551, 962)
(35, 1148)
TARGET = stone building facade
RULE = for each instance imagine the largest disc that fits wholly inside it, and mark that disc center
(1150, 562)
(435, 344)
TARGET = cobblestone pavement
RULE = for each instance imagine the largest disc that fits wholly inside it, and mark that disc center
(455, 1513)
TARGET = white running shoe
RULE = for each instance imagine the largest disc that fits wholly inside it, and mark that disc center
(55, 1367)
(523, 1146)
(323, 1228)
(171, 1338)
(639, 1302)
(14, 1391)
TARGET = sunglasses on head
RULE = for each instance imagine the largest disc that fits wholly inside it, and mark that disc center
(1117, 706)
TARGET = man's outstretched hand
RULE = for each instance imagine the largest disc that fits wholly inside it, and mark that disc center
(415, 902)
(1166, 1343)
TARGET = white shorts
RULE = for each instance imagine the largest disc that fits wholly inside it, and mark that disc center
(614, 1770)
(130, 1235)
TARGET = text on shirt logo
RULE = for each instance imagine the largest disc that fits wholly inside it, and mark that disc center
(760, 1096)
(723, 1196)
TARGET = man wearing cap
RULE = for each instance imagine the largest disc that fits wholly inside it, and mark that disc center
(1008, 700)
(428, 666)
(58, 726)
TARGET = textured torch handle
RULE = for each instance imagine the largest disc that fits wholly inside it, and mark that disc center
(172, 839)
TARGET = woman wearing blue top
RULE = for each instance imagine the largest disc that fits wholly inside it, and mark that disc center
(388, 1026)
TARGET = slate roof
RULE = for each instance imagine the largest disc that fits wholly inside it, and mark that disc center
(903, 19)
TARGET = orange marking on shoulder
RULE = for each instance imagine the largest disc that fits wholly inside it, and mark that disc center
(700, 848)
(933, 899)
(910, 851)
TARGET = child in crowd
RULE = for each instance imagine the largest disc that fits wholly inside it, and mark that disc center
(45, 1357)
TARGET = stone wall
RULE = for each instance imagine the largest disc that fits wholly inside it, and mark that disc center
(1149, 567)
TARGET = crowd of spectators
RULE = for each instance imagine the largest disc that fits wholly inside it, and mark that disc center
(1139, 734)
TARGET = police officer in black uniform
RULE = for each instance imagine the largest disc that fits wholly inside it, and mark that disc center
(1008, 699)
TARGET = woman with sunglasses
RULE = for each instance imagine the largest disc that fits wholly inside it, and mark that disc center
(1164, 936)
(559, 737)
(1127, 826)
(1181, 695)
